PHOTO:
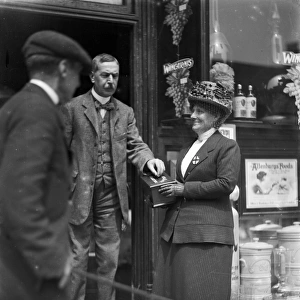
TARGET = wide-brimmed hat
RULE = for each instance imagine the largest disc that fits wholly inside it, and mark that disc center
(217, 92)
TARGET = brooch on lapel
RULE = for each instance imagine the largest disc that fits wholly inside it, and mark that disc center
(195, 160)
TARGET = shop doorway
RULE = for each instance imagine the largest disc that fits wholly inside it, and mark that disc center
(96, 36)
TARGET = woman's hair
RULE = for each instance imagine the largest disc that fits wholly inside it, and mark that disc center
(210, 108)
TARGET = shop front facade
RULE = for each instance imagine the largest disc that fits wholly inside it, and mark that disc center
(259, 40)
(163, 46)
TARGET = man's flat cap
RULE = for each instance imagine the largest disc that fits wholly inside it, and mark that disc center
(55, 44)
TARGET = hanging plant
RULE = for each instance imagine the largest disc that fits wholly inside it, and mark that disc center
(293, 88)
(178, 12)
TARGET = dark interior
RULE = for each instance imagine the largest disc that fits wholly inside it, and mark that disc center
(95, 36)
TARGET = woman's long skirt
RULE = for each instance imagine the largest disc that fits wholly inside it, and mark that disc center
(193, 271)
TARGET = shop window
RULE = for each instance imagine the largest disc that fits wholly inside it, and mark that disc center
(250, 36)
(260, 41)
(257, 39)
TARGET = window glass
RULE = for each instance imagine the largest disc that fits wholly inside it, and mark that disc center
(259, 40)
(254, 37)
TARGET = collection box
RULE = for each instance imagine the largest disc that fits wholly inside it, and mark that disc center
(152, 185)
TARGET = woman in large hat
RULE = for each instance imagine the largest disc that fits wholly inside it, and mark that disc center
(195, 255)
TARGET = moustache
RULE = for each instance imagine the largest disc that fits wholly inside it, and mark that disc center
(110, 85)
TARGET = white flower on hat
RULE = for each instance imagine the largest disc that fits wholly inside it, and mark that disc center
(224, 75)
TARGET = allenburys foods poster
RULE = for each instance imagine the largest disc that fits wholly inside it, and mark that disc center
(271, 183)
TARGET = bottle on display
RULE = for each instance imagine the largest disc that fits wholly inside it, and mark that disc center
(239, 103)
(250, 104)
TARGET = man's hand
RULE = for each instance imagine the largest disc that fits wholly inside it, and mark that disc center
(123, 226)
(174, 189)
(156, 166)
(67, 272)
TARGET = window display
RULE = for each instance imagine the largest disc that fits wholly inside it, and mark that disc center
(259, 39)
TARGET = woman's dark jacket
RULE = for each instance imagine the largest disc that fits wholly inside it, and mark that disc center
(204, 214)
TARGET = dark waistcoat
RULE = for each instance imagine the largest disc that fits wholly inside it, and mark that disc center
(104, 161)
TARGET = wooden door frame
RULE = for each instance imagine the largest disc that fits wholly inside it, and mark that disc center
(145, 91)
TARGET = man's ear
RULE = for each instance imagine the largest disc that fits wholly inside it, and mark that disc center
(63, 67)
(92, 77)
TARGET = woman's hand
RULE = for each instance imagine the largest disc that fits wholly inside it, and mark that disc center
(170, 190)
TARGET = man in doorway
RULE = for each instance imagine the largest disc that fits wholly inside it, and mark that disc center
(35, 253)
(101, 133)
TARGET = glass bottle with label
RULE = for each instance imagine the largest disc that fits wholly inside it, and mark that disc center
(239, 103)
(250, 104)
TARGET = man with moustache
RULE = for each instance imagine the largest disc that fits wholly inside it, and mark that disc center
(35, 253)
(101, 133)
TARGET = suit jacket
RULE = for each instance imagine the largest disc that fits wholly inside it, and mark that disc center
(34, 190)
(82, 131)
(204, 214)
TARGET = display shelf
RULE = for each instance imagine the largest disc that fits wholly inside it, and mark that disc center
(238, 122)
(255, 137)
(182, 126)
(264, 124)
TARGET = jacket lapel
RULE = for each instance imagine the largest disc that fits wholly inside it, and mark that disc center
(179, 161)
(203, 153)
(114, 116)
(90, 111)
(200, 156)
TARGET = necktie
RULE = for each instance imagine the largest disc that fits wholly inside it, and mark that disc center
(107, 106)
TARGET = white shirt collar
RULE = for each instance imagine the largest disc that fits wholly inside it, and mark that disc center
(99, 98)
(204, 136)
(47, 88)
(191, 154)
